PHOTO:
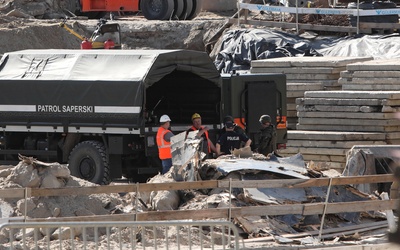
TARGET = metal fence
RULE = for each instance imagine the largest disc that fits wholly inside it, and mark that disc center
(120, 235)
(300, 8)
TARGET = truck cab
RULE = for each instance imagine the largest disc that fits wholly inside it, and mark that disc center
(248, 96)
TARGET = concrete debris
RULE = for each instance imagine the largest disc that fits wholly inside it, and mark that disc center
(371, 160)
(164, 199)
(293, 166)
(32, 173)
(282, 240)
(185, 155)
(242, 152)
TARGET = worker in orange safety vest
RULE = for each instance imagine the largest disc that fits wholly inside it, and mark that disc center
(208, 146)
(164, 143)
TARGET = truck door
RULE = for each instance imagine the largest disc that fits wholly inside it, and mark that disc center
(260, 99)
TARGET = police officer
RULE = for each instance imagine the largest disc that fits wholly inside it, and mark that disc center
(267, 136)
(164, 143)
(237, 129)
(231, 140)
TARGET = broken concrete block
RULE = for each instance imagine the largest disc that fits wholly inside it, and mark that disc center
(50, 181)
(30, 205)
(165, 200)
(66, 233)
(25, 175)
(5, 172)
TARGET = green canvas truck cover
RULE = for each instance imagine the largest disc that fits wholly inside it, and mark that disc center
(86, 87)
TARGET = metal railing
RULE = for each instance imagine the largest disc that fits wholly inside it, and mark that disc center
(297, 10)
(121, 235)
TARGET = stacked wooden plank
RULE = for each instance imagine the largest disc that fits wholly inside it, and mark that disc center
(305, 74)
(331, 122)
(373, 75)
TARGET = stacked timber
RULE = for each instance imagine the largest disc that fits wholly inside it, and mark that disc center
(373, 75)
(305, 74)
(331, 122)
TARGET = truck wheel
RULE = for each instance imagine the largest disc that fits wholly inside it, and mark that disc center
(178, 10)
(187, 9)
(88, 160)
(157, 9)
(197, 4)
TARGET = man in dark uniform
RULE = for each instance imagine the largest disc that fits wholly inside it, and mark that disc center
(267, 136)
(237, 129)
(231, 140)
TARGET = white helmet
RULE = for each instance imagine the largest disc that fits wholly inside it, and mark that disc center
(165, 118)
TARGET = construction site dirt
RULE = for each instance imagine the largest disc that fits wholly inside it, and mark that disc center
(286, 207)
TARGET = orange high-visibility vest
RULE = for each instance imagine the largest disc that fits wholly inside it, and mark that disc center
(164, 147)
(206, 133)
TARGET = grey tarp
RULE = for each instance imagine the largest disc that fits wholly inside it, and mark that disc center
(146, 66)
(240, 47)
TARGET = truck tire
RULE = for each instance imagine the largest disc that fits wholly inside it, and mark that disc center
(157, 9)
(197, 4)
(187, 9)
(88, 160)
(178, 10)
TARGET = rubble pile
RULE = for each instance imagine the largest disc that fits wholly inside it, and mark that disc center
(285, 168)
(30, 173)
(37, 8)
(35, 174)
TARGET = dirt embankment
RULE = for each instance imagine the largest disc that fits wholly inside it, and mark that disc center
(35, 25)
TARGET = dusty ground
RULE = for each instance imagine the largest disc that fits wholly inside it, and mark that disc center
(18, 33)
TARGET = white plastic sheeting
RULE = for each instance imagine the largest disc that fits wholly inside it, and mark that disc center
(376, 46)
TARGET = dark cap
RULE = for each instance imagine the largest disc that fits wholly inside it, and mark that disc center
(228, 118)
(229, 124)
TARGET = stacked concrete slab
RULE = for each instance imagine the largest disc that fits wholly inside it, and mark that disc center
(331, 122)
(328, 149)
(305, 74)
(372, 75)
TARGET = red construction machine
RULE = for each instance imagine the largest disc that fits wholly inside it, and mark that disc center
(151, 9)
(105, 36)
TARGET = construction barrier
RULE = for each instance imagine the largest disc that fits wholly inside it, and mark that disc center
(362, 20)
(319, 11)
(122, 235)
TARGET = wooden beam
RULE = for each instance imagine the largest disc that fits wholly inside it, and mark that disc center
(330, 231)
(12, 193)
(303, 26)
(146, 187)
(315, 182)
(364, 25)
(217, 213)
(142, 187)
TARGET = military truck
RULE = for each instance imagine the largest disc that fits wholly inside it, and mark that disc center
(98, 110)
